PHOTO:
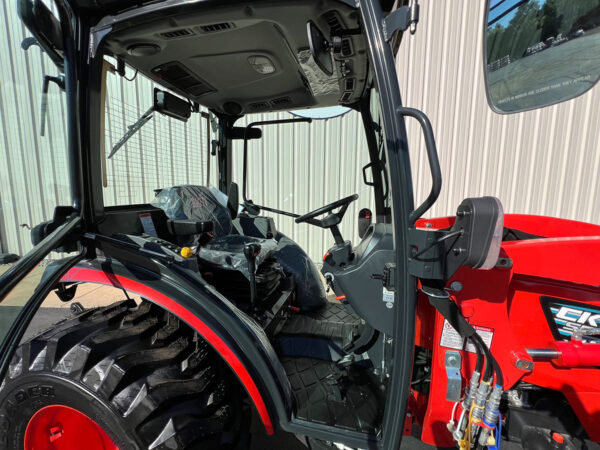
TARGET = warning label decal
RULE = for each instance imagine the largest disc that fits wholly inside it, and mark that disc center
(451, 338)
(148, 225)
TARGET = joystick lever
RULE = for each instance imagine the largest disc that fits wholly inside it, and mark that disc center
(251, 251)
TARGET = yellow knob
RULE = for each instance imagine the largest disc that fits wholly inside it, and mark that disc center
(186, 252)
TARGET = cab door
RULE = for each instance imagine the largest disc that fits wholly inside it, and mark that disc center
(24, 286)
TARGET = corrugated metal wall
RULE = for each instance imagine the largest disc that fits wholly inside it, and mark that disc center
(33, 173)
(541, 162)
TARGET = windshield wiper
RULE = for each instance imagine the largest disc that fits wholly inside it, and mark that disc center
(132, 129)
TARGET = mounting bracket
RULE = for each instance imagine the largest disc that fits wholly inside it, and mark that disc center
(401, 19)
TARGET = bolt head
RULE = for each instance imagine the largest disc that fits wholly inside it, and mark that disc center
(456, 286)
(523, 364)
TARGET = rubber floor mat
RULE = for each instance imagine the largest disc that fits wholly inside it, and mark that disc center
(326, 393)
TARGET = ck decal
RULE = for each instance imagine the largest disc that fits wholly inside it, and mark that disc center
(564, 317)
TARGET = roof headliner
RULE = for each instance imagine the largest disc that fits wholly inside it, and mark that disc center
(215, 58)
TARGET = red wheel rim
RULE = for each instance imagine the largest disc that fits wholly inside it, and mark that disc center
(58, 427)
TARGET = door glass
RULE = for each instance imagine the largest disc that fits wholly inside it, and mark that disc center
(13, 303)
(30, 286)
(375, 106)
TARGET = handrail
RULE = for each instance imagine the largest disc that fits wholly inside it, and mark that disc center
(434, 163)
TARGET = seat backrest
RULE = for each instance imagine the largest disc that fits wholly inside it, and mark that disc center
(194, 203)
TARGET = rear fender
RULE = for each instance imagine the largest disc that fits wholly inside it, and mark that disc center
(239, 341)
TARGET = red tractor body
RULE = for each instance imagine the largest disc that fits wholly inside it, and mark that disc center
(511, 305)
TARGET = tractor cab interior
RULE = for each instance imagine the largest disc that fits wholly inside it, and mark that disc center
(329, 325)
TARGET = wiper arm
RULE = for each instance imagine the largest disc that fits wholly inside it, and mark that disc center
(132, 129)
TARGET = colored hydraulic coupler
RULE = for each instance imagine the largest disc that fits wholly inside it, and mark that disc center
(490, 416)
(479, 405)
(459, 432)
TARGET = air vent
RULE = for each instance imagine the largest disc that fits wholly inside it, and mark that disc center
(334, 21)
(214, 27)
(259, 105)
(177, 34)
(306, 84)
(346, 47)
(346, 96)
(349, 84)
(281, 101)
(178, 76)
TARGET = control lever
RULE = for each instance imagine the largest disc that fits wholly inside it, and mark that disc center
(251, 251)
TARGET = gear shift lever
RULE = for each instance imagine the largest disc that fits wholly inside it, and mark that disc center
(251, 251)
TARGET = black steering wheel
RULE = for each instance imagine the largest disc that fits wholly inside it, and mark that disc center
(332, 219)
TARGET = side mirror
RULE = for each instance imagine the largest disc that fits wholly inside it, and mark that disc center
(538, 53)
(45, 27)
(481, 222)
(473, 241)
(171, 105)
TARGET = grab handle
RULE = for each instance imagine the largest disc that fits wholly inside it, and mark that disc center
(434, 163)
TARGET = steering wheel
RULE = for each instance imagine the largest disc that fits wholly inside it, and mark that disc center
(332, 219)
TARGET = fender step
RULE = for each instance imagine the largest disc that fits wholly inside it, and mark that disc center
(333, 322)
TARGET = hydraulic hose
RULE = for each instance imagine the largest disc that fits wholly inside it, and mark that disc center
(492, 367)
(485, 352)
(479, 362)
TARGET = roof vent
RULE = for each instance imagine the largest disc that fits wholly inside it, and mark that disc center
(334, 21)
(178, 76)
(214, 27)
(346, 47)
(346, 96)
(349, 84)
(177, 34)
(306, 84)
(281, 101)
(259, 105)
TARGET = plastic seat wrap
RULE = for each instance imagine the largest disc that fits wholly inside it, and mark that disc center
(227, 252)
(197, 203)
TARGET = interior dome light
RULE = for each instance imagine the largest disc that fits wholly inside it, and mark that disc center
(261, 64)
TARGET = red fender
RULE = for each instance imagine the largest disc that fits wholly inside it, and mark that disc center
(98, 276)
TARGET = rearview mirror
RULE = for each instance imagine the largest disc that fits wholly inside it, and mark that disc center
(540, 52)
(171, 105)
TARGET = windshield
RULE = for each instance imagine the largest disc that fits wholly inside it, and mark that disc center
(299, 167)
(295, 167)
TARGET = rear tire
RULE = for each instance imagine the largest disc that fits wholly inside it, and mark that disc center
(142, 375)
